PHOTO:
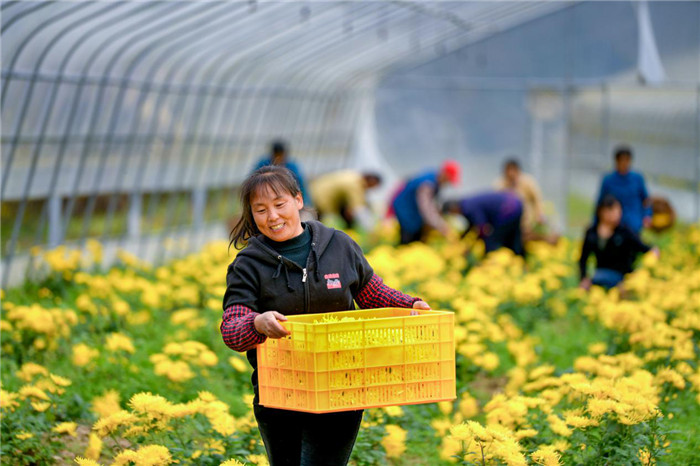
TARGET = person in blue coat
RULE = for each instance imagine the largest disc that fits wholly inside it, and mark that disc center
(495, 216)
(279, 156)
(629, 188)
(415, 204)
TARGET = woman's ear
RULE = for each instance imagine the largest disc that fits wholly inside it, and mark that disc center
(299, 200)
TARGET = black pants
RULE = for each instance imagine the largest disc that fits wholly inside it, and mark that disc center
(304, 439)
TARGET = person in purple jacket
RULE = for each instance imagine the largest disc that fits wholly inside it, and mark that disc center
(496, 217)
(629, 189)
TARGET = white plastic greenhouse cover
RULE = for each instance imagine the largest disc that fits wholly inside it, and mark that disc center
(299, 50)
(118, 99)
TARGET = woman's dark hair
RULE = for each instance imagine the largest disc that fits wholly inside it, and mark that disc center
(622, 151)
(278, 146)
(511, 163)
(607, 202)
(277, 178)
(450, 206)
(374, 176)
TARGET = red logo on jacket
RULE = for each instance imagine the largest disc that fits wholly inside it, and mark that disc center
(332, 281)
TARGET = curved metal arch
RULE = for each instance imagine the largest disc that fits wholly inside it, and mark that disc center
(319, 51)
(258, 59)
(93, 120)
(177, 112)
(29, 10)
(74, 106)
(380, 68)
(262, 82)
(73, 111)
(131, 67)
(277, 28)
(183, 16)
(26, 100)
(171, 207)
(385, 66)
(233, 74)
(241, 111)
(30, 35)
(206, 100)
(358, 75)
(232, 70)
(54, 90)
(231, 86)
(35, 156)
(184, 58)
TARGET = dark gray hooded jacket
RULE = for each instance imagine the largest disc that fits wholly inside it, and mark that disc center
(263, 280)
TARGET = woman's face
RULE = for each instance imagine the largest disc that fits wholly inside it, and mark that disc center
(612, 215)
(277, 216)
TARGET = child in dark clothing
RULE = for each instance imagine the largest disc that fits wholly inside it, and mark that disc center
(615, 247)
(292, 267)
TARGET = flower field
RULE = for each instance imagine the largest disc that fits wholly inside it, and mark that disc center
(127, 366)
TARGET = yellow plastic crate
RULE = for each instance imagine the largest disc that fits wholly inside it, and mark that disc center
(380, 357)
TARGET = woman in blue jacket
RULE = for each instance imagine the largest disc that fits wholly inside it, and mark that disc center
(291, 267)
(630, 190)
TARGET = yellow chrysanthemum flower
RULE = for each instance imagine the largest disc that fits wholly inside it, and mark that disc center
(232, 462)
(66, 428)
(80, 461)
(83, 354)
(546, 455)
(394, 441)
(119, 342)
(111, 423)
(94, 448)
(31, 391)
(238, 364)
(30, 370)
(106, 404)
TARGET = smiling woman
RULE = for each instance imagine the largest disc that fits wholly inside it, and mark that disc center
(277, 214)
(291, 267)
(271, 200)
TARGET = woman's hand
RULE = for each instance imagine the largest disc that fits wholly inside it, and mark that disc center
(268, 323)
(586, 283)
(420, 305)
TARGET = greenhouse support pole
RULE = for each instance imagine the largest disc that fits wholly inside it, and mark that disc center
(567, 158)
(133, 229)
(54, 207)
(605, 124)
(81, 82)
(697, 156)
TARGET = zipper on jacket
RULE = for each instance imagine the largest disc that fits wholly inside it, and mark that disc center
(307, 299)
